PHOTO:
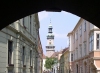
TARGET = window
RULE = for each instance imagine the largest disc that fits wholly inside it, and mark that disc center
(10, 47)
(74, 55)
(85, 26)
(30, 24)
(23, 21)
(77, 52)
(71, 57)
(50, 29)
(24, 71)
(80, 69)
(91, 40)
(23, 56)
(74, 38)
(80, 30)
(80, 50)
(10, 71)
(77, 69)
(76, 35)
(85, 48)
(31, 71)
(30, 57)
(98, 41)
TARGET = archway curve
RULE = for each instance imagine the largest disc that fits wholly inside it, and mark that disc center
(19, 9)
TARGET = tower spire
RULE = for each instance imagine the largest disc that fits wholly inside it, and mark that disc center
(50, 20)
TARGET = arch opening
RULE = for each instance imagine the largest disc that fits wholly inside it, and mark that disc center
(19, 10)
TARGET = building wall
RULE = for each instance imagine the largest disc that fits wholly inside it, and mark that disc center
(61, 67)
(21, 36)
(82, 54)
(66, 62)
(44, 69)
(49, 53)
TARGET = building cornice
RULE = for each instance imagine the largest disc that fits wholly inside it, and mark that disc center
(37, 20)
(80, 20)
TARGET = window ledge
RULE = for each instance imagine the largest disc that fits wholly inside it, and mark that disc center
(24, 66)
(90, 52)
(96, 58)
(84, 30)
(10, 65)
(96, 50)
(31, 67)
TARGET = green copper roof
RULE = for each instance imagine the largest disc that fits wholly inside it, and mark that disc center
(50, 34)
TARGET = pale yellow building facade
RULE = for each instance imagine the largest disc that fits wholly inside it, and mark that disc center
(84, 46)
(66, 61)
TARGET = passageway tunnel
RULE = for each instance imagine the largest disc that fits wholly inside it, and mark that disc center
(14, 10)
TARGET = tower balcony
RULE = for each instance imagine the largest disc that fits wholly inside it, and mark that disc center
(50, 37)
(50, 50)
(50, 46)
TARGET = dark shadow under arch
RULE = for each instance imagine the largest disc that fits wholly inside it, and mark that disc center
(11, 11)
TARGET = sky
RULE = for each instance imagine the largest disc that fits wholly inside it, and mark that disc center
(62, 22)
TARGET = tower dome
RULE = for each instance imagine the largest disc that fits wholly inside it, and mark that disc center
(50, 26)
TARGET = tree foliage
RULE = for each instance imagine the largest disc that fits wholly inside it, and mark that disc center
(49, 62)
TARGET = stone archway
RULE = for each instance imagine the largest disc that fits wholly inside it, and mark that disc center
(15, 10)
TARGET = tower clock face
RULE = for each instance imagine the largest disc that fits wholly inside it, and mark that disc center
(49, 42)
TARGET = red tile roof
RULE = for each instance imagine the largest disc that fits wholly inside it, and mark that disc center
(44, 57)
(64, 50)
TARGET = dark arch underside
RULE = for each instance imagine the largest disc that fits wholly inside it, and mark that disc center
(11, 11)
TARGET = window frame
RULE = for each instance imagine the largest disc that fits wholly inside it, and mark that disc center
(30, 23)
(23, 55)
(85, 51)
(31, 58)
(71, 57)
(91, 42)
(76, 35)
(80, 30)
(80, 50)
(98, 39)
(84, 25)
(23, 21)
(10, 51)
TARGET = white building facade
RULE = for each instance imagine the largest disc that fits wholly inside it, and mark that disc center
(55, 68)
(18, 46)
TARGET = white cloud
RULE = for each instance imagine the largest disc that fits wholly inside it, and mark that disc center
(43, 15)
(62, 36)
(58, 35)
